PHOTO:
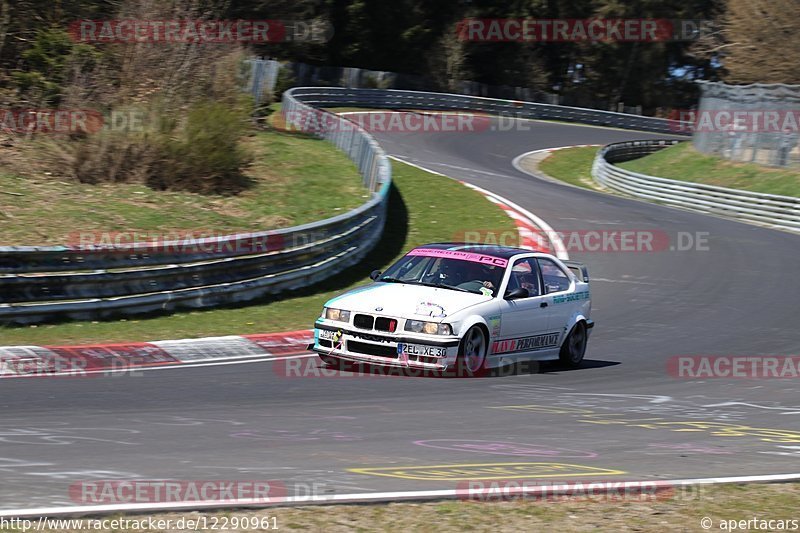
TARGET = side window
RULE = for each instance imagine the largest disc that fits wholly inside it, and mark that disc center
(555, 279)
(524, 275)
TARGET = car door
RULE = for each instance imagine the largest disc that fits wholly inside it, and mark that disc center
(523, 320)
(556, 282)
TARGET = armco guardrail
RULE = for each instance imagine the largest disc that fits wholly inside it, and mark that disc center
(782, 212)
(414, 100)
(41, 283)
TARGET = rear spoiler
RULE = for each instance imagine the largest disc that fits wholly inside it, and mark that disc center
(579, 269)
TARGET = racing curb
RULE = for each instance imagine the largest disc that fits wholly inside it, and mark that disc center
(51, 361)
(47, 361)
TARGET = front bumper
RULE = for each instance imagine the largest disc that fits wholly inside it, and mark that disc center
(381, 348)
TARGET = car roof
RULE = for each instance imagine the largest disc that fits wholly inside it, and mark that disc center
(504, 252)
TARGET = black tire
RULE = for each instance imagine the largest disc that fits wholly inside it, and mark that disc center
(472, 352)
(574, 346)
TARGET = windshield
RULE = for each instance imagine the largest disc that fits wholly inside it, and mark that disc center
(445, 272)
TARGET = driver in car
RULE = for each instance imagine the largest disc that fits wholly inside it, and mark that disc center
(482, 276)
(526, 281)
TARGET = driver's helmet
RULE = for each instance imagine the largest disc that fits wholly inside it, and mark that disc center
(445, 269)
(483, 273)
(526, 281)
(523, 274)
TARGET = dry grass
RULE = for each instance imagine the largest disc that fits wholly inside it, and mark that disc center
(738, 502)
(294, 180)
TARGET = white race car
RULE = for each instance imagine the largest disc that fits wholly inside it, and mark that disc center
(464, 308)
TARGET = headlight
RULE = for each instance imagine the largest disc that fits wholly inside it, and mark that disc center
(431, 328)
(336, 314)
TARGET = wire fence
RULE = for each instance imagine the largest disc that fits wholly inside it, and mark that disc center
(749, 123)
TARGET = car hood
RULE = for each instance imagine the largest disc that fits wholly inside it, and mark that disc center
(408, 301)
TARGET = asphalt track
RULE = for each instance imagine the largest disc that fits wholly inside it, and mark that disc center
(620, 416)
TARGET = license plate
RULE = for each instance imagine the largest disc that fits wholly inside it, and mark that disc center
(326, 334)
(420, 349)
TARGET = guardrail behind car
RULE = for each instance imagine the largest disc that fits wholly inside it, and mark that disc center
(397, 99)
(41, 283)
(782, 212)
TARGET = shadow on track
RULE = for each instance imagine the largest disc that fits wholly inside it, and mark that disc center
(366, 371)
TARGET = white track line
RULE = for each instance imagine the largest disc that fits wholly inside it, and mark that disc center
(555, 240)
(367, 497)
(237, 360)
(558, 244)
(400, 159)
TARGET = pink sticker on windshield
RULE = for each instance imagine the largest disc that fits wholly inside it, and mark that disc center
(464, 256)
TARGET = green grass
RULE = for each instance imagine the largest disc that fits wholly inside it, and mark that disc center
(297, 179)
(572, 165)
(680, 162)
(683, 162)
(423, 208)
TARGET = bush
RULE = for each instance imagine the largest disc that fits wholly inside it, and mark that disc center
(191, 96)
(284, 82)
(206, 156)
(111, 157)
(47, 64)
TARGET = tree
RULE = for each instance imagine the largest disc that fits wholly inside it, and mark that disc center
(760, 41)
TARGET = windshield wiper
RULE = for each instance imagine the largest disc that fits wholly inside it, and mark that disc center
(443, 286)
(392, 280)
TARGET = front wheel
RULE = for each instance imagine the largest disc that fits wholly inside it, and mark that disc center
(574, 346)
(472, 353)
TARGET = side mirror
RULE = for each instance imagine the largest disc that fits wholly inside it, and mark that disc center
(375, 274)
(517, 293)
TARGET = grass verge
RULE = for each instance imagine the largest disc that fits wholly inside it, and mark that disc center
(296, 179)
(718, 503)
(422, 208)
(571, 165)
(682, 162)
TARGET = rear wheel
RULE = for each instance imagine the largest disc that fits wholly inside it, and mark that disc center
(472, 353)
(574, 346)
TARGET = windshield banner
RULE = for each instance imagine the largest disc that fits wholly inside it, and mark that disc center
(464, 256)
